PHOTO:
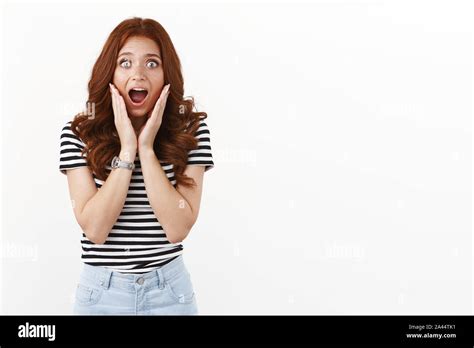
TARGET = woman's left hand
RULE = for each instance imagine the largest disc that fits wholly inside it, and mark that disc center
(148, 132)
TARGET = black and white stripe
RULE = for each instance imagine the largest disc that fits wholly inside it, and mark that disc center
(137, 242)
(202, 155)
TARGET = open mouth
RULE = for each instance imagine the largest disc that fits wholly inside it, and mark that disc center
(137, 95)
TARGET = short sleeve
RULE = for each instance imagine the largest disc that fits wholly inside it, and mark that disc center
(202, 156)
(70, 150)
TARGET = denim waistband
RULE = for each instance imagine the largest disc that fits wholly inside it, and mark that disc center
(106, 278)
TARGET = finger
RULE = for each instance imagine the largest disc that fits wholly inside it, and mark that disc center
(163, 97)
(117, 109)
(164, 92)
(156, 109)
(124, 113)
(114, 104)
(114, 97)
(123, 108)
(118, 106)
(163, 103)
(163, 100)
(117, 103)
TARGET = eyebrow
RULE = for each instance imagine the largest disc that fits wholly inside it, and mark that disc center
(146, 55)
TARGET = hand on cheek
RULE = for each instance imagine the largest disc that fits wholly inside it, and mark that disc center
(149, 130)
(122, 122)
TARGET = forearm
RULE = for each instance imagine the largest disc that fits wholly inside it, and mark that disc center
(172, 210)
(102, 210)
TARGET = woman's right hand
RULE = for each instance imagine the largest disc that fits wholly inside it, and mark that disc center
(126, 132)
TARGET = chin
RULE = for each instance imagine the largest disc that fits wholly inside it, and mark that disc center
(138, 113)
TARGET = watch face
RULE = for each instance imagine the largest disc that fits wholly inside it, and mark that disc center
(115, 161)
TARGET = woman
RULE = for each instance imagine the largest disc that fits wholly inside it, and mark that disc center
(135, 168)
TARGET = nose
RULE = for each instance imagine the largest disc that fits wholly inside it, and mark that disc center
(138, 77)
(138, 74)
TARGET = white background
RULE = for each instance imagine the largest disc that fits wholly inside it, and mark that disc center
(341, 134)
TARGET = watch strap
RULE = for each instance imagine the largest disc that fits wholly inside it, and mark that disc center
(118, 163)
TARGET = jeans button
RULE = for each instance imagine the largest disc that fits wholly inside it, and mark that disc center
(140, 281)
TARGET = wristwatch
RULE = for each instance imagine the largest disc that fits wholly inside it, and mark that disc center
(118, 163)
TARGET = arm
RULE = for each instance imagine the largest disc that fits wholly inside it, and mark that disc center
(95, 210)
(176, 209)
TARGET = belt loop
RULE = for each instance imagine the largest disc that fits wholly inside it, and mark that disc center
(104, 278)
(161, 279)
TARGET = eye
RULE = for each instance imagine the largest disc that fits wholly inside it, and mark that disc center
(152, 64)
(125, 63)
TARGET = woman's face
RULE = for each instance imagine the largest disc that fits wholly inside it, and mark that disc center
(139, 75)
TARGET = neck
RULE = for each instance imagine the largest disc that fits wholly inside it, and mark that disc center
(138, 122)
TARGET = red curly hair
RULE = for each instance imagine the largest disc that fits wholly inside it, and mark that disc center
(179, 124)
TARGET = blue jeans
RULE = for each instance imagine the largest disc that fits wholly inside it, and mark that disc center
(167, 290)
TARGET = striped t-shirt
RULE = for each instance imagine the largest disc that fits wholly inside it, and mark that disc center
(137, 242)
